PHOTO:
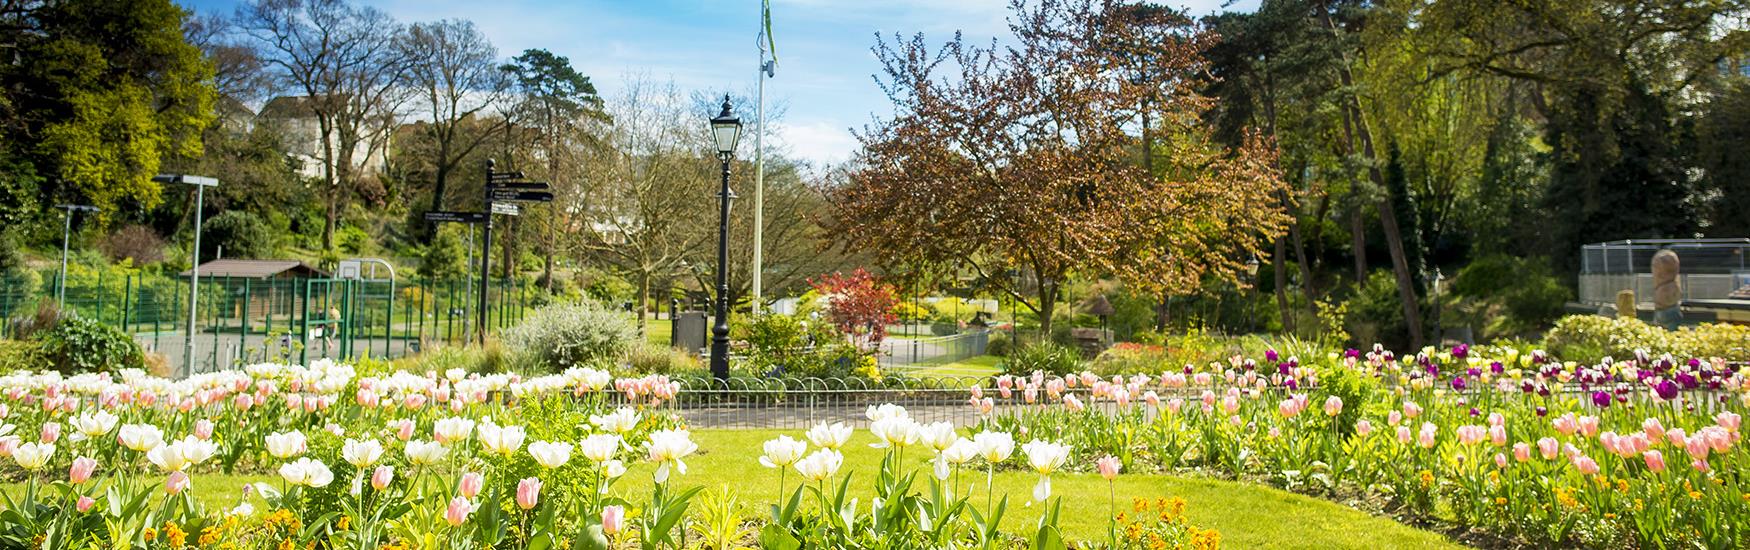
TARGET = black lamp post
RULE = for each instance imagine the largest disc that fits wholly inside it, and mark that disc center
(725, 130)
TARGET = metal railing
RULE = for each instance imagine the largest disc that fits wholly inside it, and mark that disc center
(924, 352)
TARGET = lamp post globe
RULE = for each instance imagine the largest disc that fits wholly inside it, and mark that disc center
(725, 132)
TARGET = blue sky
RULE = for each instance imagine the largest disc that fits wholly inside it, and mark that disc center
(824, 64)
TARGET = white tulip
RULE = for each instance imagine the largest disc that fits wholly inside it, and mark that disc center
(307, 472)
(452, 429)
(95, 424)
(32, 456)
(1045, 457)
(820, 465)
(829, 437)
(425, 453)
(361, 454)
(670, 446)
(884, 411)
(167, 458)
(994, 446)
(895, 431)
(141, 437)
(286, 445)
(962, 451)
(620, 421)
(550, 455)
(783, 452)
(938, 436)
(612, 469)
(504, 441)
(195, 450)
(599, 448)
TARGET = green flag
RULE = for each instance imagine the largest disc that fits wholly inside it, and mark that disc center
(766, 22)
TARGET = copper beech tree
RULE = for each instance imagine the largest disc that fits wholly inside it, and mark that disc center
(1020, 162)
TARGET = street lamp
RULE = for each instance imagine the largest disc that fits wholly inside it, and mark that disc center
(66, 231)
(200, 183)
(725, 131)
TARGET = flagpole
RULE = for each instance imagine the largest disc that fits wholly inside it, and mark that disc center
(759, 172)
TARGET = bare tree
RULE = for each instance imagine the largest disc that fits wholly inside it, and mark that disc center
(344, 59)
(455, 70)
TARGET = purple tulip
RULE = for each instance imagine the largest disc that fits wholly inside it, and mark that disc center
(1460, 351)
(1496, 367)
(1541, 411)
(1475, 412)
(1292, 384)
(1270, 355)
(1601, 399)
(1458, 383)
(1666, 389)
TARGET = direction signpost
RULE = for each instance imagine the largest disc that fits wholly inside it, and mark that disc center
(501, 187)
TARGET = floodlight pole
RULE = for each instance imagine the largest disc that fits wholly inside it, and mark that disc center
(66, 233)
(767, 68)
(200, 183)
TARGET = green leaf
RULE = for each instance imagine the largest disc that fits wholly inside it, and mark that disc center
(775, 537)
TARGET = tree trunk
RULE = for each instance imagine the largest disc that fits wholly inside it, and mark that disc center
(1047, 304)
(1279, 270)
(1161, 312)
(644, 277)
(1358, 234)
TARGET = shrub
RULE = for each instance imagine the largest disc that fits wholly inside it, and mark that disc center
(17, 355)
(647, 358)
(1589, 338)
(1355, 388)
(78, 344)
(1376, 312)
(944, 329)
(137, 243)
(1050, 357)
(1131, 358)
(239, 233)
(561, 336)
(998, 344)
(1522, 289)
(787, 345)
(908, 312)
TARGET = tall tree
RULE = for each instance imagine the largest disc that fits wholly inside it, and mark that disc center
(455, 68)
(344, 60)
(94, 94)
(557, 111)
(1017, 158)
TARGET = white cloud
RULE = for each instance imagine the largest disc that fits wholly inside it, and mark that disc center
(821, 142)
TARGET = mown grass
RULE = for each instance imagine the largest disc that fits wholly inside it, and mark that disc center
(1247, 515)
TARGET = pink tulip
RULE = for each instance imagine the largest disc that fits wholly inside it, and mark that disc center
(1548, 447)
(1363, 427)
(84, 504)
(1521, 451)
(613, 519)
(1588, 426)
(1697, 447)
(1496, 419)
(1718, 438)
(1403, 435)
(1655, 461)
(1425, 439)
(1109, 466)
(458, 511)
(242, 402)
(471, 484)
(1566, 425)
(177, 482)
(367, 398)
(1725, 420)
(528, 493)
(1333, 406)
(1411, 409)
(1700, 466)
(1654, 430)
(8, 445)
(978, 392)
(1152, 399)
(51, 432)
(1586, 465)
(203, 429)
(405, 430)
(81, 470)
(1394, 418)
(1500, 460)
(1498, 435)
(382, 476)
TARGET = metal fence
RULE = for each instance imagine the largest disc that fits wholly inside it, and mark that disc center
(1710, 268)
(246, 320)
(800, 403)
(925, 352)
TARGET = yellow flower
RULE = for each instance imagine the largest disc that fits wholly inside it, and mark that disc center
(149, 534)
(1500, 501)
(208, 536)
(286, 544)
(1427, 478)
(343, 523)
(174, 534)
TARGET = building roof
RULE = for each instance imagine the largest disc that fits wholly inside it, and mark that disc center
(256, 269)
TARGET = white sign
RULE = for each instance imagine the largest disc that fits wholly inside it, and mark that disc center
(506, 209)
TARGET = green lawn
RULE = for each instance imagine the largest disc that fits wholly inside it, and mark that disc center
(1247, 515)
(657, 331)
(978, 365)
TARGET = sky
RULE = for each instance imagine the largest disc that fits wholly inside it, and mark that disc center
(824, 77)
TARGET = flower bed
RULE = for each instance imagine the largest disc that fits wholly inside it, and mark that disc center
(467, 461)
(1642, 452)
